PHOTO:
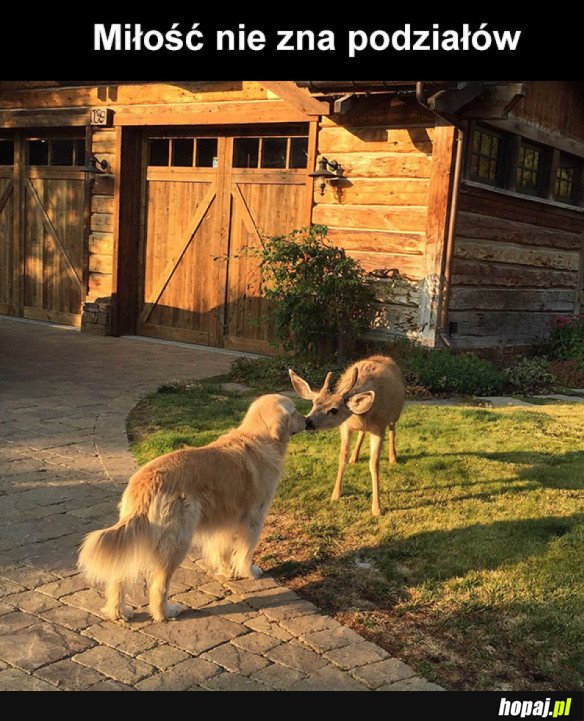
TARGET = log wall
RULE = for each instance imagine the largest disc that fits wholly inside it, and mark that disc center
(379, 213)
(516, 265)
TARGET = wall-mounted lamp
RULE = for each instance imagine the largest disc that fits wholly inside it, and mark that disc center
(96, 167)
(328, 171)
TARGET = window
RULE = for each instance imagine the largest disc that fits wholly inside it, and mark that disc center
(282, 153)
(513, 163)
(568, 179)
(183, 152)
(67, 152)
(246, 152)
(6, 152)
(485, 161)
(531, 168)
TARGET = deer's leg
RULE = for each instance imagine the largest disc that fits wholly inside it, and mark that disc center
(343, 456)
(355, 454)
(376, 442)
(392, 454)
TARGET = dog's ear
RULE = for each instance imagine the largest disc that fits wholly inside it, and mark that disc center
(301, 386)
(361, 402)
(280, 426)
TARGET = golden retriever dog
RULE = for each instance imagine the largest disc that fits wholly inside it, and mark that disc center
(216, 496)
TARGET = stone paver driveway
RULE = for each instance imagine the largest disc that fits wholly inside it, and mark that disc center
(64, 459)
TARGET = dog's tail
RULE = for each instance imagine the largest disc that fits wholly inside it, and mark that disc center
(122, 551)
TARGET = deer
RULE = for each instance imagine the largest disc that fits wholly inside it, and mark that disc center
(368, 398)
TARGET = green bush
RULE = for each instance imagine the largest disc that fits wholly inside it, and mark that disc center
(567, 339)
(324, 302)
(442, 372)
(270, 374)
(530, 375)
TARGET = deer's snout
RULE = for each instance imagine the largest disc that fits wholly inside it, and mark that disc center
(309, 425)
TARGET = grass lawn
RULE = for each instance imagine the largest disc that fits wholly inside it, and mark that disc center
(474, 572)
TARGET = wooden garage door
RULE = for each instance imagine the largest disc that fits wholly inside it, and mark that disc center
(208, 200)
(42, 200)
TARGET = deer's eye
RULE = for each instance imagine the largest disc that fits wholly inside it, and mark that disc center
(333, 411)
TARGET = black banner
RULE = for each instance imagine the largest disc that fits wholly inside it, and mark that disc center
(201, 44)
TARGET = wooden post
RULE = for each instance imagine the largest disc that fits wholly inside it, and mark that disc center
(221, 275)
(440, 194)
(312, 153)
(86, 220)
(18, 246)
(117, 171)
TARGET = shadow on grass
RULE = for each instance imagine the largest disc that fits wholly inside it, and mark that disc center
(550, 470)
(435, 556)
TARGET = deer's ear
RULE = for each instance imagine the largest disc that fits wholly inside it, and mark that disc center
(361, 402)
(301, 386)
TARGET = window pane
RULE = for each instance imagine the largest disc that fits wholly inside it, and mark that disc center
(529, 169)
(274, 152)
(206, 153)
(245, 152)
(476, 142)
(182, 152)
(38, 152)
(485, 155)
(484, 168)
(567, 179)
(298, 152)
(159, 152)
(80, 152)
(62, 152)
(486, 145)
(6, 152)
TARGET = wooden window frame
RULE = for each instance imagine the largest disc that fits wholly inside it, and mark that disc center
(500, 159)
(543, 172)
(578, 189)
(506, 182)
(287, 137)
(50, 139)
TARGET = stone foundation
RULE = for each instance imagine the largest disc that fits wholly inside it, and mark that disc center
(96, 318)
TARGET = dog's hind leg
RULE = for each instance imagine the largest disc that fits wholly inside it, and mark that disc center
(115, 595)
(245, 541)
(179, 519)
(160, 609)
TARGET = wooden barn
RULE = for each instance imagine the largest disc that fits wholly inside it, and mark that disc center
(124, 207)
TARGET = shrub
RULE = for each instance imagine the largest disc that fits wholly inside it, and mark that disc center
(442, 372)
(569, 373)
(324, 302)
(567, 338)
(271, 373)
(530, 375)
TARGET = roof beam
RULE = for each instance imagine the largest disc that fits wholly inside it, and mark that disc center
(299, 98)
(495, 102)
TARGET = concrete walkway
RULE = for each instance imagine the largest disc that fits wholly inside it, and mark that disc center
(64, 461)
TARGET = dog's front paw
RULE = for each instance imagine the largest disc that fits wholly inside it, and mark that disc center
(173, 610)
(123, 613)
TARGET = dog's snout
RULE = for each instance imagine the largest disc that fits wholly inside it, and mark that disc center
(308, 424)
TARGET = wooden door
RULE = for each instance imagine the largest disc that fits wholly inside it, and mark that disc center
(208, 201)
(53, 245)
(263, 203)
(180, 241)
(42, 250)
